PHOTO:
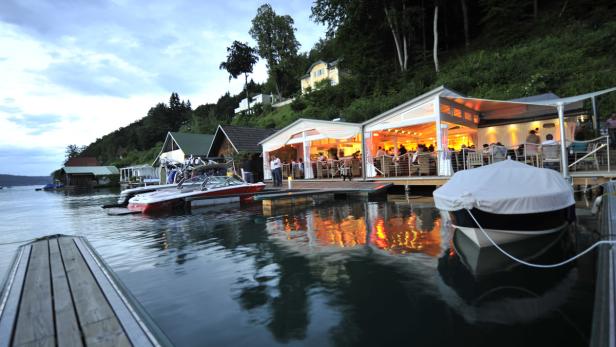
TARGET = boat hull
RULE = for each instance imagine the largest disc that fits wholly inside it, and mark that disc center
(503, 228)
(181, 201)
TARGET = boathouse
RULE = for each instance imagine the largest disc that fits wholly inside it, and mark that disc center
(180, 146)
(89, 176)
(311, 148)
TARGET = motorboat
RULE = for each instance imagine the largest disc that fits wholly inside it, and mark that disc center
(198, 173)
(51, 186)
(511, 201)
(214, 189)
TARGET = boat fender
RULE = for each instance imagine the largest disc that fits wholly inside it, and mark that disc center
(596, 204)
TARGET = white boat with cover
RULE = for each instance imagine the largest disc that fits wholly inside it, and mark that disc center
(510, 200)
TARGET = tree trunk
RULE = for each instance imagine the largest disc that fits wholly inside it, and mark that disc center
(535, 9)
(394, 32)
(246, 87)
(424, 44)
(467, 40)
(435, 48)
(562, 11)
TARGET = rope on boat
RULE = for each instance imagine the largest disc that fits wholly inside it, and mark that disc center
(540, 266)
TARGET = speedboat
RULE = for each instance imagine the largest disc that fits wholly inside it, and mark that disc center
(195, 182)
(221, 188)
(509, 201)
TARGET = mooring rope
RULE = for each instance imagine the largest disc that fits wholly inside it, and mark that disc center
(541, 266)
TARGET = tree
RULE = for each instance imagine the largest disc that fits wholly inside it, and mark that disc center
(276, 43)
(72, 151)
(467, 41)
(240, 60)
(435, 47)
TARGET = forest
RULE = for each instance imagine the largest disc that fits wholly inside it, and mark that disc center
(392, 51)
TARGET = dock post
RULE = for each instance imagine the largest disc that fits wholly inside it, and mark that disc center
(564, 160)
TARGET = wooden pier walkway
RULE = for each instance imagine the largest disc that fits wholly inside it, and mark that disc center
(59, 292)
(604, 316)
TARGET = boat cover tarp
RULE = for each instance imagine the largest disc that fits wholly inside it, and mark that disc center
(506, 187)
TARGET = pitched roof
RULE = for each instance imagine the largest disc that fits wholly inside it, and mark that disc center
(195, 144)
(82, 161)
(94, 170)
(243, 139)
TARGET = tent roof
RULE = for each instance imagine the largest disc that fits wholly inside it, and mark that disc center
(328, 129)
(442, 91)
(94, 170)
(242, 139)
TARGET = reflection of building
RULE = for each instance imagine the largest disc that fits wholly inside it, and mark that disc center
(320, 71)
(398, 234)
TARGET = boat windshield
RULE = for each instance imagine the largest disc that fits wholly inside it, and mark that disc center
(221, 181)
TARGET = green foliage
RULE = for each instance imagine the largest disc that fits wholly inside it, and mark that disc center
(240, 59)
(275, 36)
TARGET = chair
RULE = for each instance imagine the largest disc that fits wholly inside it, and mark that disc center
(550, 154)
(531, 154)
(355, 167)
(499, 153)
(321, 169)
(387, 165)
(423, 160)
(474, 159)
(591, 159)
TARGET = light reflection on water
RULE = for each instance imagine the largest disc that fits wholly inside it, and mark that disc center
(340, 273)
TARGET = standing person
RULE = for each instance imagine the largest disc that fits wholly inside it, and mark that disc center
(278, 171)
(610, 124)
(273, 170)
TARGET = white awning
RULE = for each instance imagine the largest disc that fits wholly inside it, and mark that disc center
(319, 129)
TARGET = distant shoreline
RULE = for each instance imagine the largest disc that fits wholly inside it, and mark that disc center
(18, 180)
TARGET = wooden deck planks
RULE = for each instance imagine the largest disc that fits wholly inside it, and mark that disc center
(59, 292)
(35, 320)
(67, 326)
(99, 323)
(9, 305)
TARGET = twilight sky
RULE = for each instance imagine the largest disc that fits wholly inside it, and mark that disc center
(74, 70)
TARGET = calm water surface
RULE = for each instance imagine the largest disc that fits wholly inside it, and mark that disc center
(339, 273)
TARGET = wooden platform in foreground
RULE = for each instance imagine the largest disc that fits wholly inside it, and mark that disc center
(604, 313)
(60, 293)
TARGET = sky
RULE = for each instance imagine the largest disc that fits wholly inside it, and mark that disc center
(72, 71)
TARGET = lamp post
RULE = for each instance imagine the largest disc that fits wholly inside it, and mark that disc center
(564, 159)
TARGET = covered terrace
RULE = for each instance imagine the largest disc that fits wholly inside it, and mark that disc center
(443, 131)
(310, 148)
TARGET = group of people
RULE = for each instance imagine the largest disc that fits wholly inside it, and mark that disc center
(401, 150)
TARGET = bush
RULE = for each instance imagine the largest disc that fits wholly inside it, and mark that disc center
(298, 104)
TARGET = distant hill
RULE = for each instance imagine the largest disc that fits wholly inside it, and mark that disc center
(12, 180)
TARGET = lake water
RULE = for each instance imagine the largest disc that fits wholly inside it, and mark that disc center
(339, 273)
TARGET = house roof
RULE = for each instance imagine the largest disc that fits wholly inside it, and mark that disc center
(94, 170)
(82, 161)
(243, 139)
(195, 144)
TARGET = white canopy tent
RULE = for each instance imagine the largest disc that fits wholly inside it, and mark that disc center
(305, 131)
(514, 110)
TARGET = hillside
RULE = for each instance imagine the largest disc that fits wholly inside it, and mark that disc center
(13, 180)
(567, 48)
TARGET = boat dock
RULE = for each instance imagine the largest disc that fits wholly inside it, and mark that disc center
(604, 316)
(59, 292)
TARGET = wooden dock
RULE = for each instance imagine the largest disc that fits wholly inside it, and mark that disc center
(604, 315)
(59, 292)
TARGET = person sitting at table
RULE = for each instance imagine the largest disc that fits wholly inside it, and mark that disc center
(357, 155)
(486, 148)
(549, 140)
(322, 157)
(431, 148)
(531, 141)
(402, 150)
(380, 152)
